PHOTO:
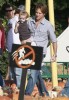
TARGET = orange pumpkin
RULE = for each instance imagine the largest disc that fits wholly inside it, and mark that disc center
(61, 84)
(61, 98)
(15, 96)
(13, 86)
(4, 98)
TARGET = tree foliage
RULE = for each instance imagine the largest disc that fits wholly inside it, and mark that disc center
(61, 4)
(2, 2)
(4, 63)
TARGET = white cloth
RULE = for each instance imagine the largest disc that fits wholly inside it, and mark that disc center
(12, 37)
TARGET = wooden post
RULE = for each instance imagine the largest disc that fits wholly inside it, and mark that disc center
(27, 6)
(22, 85)
(53, 64)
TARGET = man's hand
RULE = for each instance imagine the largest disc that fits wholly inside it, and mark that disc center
(53, 58)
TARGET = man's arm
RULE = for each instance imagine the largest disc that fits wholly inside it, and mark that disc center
(53, 57)
(55, 48)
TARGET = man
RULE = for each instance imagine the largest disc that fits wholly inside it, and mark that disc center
(1, 80)
(41, 33)
(12, 38)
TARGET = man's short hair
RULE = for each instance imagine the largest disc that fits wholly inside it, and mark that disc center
(9, 7)
(41, 6)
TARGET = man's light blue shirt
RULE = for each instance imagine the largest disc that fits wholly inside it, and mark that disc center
(42, 33)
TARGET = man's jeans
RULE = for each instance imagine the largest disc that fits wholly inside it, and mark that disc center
(35, 78)
(18, 72)
(1, 80)
(65, 90)
(15, 74)
(0, 51)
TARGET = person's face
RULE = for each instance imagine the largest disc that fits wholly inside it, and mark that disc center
(22, 17)
(39, 15)
(10, 13)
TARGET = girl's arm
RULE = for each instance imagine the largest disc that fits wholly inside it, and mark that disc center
(16, 28)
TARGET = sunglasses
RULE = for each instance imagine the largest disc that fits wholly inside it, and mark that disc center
(9, 10)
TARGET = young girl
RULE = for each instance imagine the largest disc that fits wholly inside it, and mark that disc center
(22, 28)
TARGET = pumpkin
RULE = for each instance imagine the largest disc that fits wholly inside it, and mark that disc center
(4, 98)
(44, 98)
(61, 98)
(49, 86)
(7, 90)
(15, 96)
(61, 84)
(13, 86)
